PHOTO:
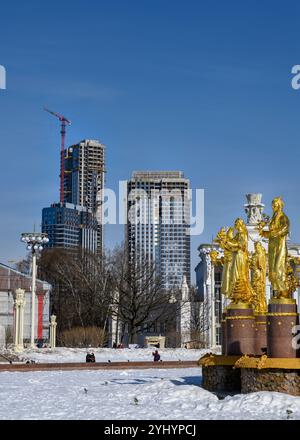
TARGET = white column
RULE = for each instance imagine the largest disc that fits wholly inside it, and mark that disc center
(115, 320)
(19, 320)
(185, 314)
(33, 289)
(213, 305)
(53, 325)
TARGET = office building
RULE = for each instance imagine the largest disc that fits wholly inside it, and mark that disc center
(70, 226)
(159, 218)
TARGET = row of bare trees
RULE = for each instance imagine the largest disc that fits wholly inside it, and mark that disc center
(89, 289)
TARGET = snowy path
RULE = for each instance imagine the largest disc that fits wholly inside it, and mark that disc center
(160, 394)
(62, 355)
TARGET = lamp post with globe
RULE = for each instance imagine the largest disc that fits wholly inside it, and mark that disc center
(34, 243)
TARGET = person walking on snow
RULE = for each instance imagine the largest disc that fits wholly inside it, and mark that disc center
(156, 356)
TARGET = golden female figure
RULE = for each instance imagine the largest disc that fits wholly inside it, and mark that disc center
(239, 289)
(277, 234)
(259, 271)
(227, 260)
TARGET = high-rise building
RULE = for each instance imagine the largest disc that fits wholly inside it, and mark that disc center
(74, 223)
(84, 178)
(70, 226)
(159, 218)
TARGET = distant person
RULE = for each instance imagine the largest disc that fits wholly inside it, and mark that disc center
(115, 345)
(90, 357)
(156, 356)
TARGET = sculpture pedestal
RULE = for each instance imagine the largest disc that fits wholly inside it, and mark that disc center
(281, 318)
(260, 334)
(224, 336)
(240, 330)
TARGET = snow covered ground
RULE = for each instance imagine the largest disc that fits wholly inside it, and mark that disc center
(62, 355)
(131, 395)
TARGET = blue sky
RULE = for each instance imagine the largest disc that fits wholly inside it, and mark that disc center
(203, 87)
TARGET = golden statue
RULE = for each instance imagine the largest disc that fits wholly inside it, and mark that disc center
(258, 265)
(280, 275)
(238, 282)
(292, 281)
(223, 237)
(214, 256)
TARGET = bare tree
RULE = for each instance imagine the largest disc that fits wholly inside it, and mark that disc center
(89, 290)
(81, 286)
(200, 319)
(139, 297)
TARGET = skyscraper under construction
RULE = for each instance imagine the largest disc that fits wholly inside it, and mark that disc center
(83, 179)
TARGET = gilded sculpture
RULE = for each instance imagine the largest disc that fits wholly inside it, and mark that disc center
(224, 237)
(280, 271)
(258, 264)
(236, 283)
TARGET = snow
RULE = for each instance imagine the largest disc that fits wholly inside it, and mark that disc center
(63, 355)
(131, 395)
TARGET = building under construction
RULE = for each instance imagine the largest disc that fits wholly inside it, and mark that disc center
(76, 222)
(84, 178)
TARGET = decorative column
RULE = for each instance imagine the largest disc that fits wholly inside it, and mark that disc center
(209, 304)
(282, 316)
(40, 297)
(19, 320)
(240, 329)
(224, 332)
(114, 320)
(185, 314)
(53, 325)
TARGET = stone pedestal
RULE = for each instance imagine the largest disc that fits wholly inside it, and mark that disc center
(240, 330)
(224, 336)
(281, 318)
(260, 334)
(225, 375)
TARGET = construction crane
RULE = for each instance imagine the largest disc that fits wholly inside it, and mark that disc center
(64, 122)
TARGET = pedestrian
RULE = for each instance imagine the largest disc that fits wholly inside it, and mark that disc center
(156, 356)
(90, 357)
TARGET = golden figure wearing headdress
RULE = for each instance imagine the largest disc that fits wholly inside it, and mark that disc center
(258, 265)
(279, 267)
(240, 289)
(223, 237)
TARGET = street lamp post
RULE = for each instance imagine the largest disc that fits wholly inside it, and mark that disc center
(34, 243)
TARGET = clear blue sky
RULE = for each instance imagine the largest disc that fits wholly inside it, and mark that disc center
(199, 86)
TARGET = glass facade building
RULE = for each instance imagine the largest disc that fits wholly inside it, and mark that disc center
(158, 222)
(70, 226)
